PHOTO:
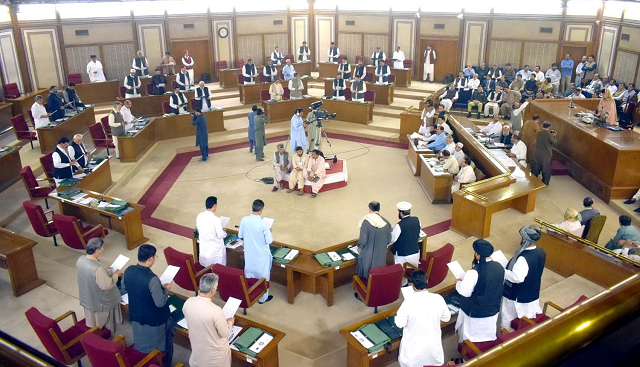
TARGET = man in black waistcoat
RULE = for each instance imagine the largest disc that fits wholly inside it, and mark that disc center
(523, 275)
(148, 306)
(481, 290)
(405, 236)
(78, 151)
(63, 165)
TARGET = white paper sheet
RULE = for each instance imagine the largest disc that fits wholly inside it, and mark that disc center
(79, 196)
(334, 256)
(85, 201)
(348, 256)
(103, 204)
(172, 308)
(183, 323)
(456, 269)
(362, 339)
(119, 262)
(235, 331)
(292, 254)
(407, 291)
(499, 257)
(125, 299)
(231, 307)
(269, 221)
(169, 274)
(262, 342)
(225, 221)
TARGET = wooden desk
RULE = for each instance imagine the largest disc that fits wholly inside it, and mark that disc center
(16, 255)
(147, 106)
(6, 113)
(228, 77)
(22, 105)
(384, 92)
(327, 69)
(129, 224)
(98, 180)
(11, 166)
(413, 156)
(302, 68)
(410, 123)
(359, 356)
(132, 148)
(403, 76)
(285, 109)
(359, 113)
(612, 172)
(434, 97)
(48, 137)
(250, 93)
(437, 185)
(99, 92)
(168, 85)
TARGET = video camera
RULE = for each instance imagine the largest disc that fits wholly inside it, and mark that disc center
(320, 114)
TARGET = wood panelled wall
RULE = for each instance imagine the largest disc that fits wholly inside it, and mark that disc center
(40, 54)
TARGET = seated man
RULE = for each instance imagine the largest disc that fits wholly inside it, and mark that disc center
(298, 172)
(442, 121)
(316, 172)
(502, 82)
(589, 212)
(488, 83)
(178, 102)
(276, 91)
(633, 200)
(505, 136)
(509, 73)
(478, 99)
(595, 85)
(465, 176)
(430, 134)
(570, 90)
(554, 75)
(468, 71)
(450, 163)
(448, 98)
(494, 128)
(518, 151)
(451, 146)
(630, 250)
(530, 87)
(440, 141)
(473, 83)
(71, 97)
(460, 82)
(518, 84)
(577, 93)
(459, 153)
(509, 99)
(281, 166)
(625, 233)
(546, 87)
(493, 105)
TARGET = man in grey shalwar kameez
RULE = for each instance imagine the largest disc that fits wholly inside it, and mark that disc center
(202, 135)
(261, 136)
(375, 236)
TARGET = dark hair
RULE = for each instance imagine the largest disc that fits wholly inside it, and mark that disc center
(632, 85)
(554, 64)
(198, 110)
(145, 252)
(419, 279)
(587, 202)
(516, 136)
(71, 84)
(546, 124)
(429, 102)
(405, 212)
(259, 111)
(440, 127)
(441, 105)
(374, 206)
(625, 220)
(254, 108)
(467, 160)
(211, 202)
(63, 140)
(298, 110)
(592, 56)
(299, 148)
(548, 80)
(257, 205)
(51, 87)
(167, 53)
(446, 153)
(536, 117)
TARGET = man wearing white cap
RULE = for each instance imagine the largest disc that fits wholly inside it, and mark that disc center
(132, 83)
(405, 235)
(458, 154)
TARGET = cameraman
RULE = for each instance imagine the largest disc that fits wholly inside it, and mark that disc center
(314, 130)
(202, 135)
(546, 139)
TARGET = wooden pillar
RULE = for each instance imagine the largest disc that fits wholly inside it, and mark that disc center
(235, 37)
(167, 35)
(563, 27)
(312, 34)
(65, 64)
(212, 59)
(20, 51)
(416, 50)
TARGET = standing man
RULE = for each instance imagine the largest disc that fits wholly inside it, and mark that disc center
(382, 73)
(95, 70)
(405, 237)
(316, 172)
(481, 290)
(315, 130)
(429, 62)
(187, 61)
(375, 236)
(523, 274)
(148, 307)
(419, 317)
(97, 288)
(202, 135)
(580, 71)
(256, 234)
(63, 165)
(298, 136)
(546, 139)
(71, 98)
(209, 330)
(344, 69)
(339, 86)
(127, 116)
(39, 113)
(270, 72)
(276, 56)
(78, 151)
(276, 91)
(280, 166)
(589, 69)
(250, 131)
(298, 171)
(589, 212)
(183, 79)
(260, 135)
(178, 102)
(566, 67)
(303, 52)
(288, 71)
(529, 132)
(132, 83)
(360, 70)
(168, 64)
(296, 86)
(358, 89)
(334, 53)
(140, 64)
(211, 235)
(377, 56)
(117, 123)
(398, 58)
(159, 82)
(203, 97)
(55, 104)
(249, 72)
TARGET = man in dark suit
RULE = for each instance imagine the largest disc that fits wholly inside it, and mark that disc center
(545, 141)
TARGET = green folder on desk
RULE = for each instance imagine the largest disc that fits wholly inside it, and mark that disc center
(178, 303)
(116, 205)
(69, 182)
(230, 238)
(389, 327)
(376, 336)
(248, 338)
(66, 194)
(324, 260)
(279, 254)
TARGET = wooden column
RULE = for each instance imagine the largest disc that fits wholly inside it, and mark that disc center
(416, 50)
(22, 58)
(312, 34)
(212, 59)
(65, 65)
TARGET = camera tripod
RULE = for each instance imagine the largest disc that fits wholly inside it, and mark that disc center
(335, 157)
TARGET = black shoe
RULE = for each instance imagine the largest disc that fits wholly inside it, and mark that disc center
(630, 201)
(355, 294)
(268, 299)
(468, 114)
(637, 210)
(478, 116)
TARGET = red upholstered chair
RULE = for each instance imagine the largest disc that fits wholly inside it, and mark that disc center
(347, 94)
(123, 91)
(31, 184)
(369, 77)
(408, 63)
(11, 90)
(149, 88)
(341, 57)
(115, 353)
(383, 286)
(174, 85)
(21, 129)
(100, 139)
(469, 349)
(38, 218)
(517, 324)
(105, 125)
(232, 283)
(240, 79)
(389, 62)
(74, 234)
(46, 161)
(222, 65)
(75, 78)
(190, 272)
(166, 107)
(63, 346)
(435, 266)
(370, 96)
(392, 78)
(286, 94)
(359, 57)
(264, 95)
(239, 63)
(289, 57)
(261, 78)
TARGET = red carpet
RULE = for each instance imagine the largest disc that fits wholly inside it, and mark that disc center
(437, 228)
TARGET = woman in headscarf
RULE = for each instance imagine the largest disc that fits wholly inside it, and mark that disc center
(607, 108)
(522, 280)
(481, 290)
(571, 222)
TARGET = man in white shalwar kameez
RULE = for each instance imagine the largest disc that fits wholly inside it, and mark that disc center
(211, 235)
(465, 176)
(419, 316)
(281, 163)
(256, 234)
(298, 136)
(95, 70)
(398, 58)
(316, 173)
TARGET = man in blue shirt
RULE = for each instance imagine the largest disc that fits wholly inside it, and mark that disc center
(566, 68)
(288, 71)
(440, 142)
(626, 233)
(252, 133)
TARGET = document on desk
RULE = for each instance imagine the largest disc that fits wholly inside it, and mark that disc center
(183, 324)
(79, 197)
(235, 331)
(362, 339)
(102, 204)
(456, 269)
(259, 344)
(169, 274)
(85, 201)
(269, 221)
(224, 221)
(348, 256)
(291, 255)
(334, 256)
(120, 262)
(231, 307)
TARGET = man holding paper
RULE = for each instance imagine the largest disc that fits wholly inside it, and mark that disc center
(97, 288)
(405, 236)
(209, 327)
(211, 235)
(375, 236)
(256, 234)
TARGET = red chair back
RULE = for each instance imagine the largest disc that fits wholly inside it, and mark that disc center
(46, 161)
(359, 57)
(341, 57)
(264, 95)
(261, 78)
(369, 96)
(389, 62)
(41, 325)
(99, 137)
(289, 57)
(240, 63)
(102, 352)
(75, 78)
(122, 91)
(287, 93)
(508, 336)
(222, 64)
(149, 88)
(384, 285)
(70, 229)
(11, 90)
(22, 129)
(240, 79)
(231, 282)
(28, 177)
(581, 299)
(369, 77)
(38, 220)
(347, 94)
(392, 78)
(408, 63)
(180, 259)
(105, 125)
(166, 107)
(441, 257)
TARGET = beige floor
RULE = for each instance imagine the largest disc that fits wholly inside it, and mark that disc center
(312, 327)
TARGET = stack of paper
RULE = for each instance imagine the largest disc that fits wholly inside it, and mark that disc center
(415, 136)
(456, 269)
(500, 258)
(362, 339)
(348, 256)
(235, 244)
(169, 274)
(119, 263)
(235, 331)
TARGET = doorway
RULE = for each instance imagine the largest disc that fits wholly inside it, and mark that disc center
(447, 57)
(199, 51)
(576, 55)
